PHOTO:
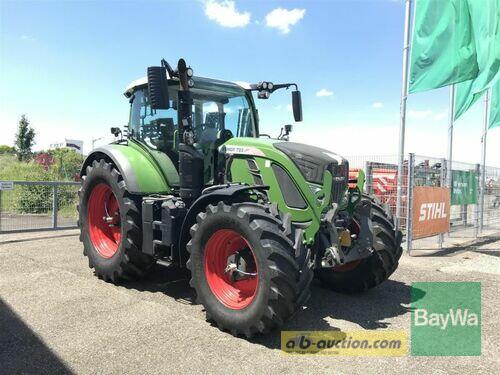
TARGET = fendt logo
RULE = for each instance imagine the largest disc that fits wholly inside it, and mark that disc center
(431, 211)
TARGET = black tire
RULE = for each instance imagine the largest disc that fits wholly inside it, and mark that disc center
(284, 273)
(128, 263)
(372, 271)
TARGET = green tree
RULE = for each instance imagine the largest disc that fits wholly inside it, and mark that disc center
(25, 139)
(67, 163)
(4, 149)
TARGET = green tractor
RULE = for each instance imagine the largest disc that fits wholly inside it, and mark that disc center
(192, 183)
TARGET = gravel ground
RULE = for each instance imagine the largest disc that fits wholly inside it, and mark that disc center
(55, 316)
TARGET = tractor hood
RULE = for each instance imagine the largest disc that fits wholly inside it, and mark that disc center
(312, 162)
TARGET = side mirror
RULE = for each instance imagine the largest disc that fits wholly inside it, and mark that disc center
(115, 131)
(297, 105)
(158, 88)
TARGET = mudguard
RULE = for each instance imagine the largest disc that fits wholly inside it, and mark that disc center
(140, 171)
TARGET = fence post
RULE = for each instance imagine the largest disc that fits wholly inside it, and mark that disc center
(445, 180)
(368, 178)
(0, 211)
(476, 208)
(409, 203)
(54, 207)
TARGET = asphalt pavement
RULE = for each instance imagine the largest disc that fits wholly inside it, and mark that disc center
(57, 317)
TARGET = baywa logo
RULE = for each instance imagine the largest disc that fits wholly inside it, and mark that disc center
(456, 317)
(446, 319)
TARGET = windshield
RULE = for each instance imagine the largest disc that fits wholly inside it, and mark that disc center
(213, 111)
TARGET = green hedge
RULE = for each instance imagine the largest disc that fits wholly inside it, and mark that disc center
(37, 199)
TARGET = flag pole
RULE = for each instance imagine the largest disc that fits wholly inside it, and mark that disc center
(402, 118)
(449, 164)
(483, 158)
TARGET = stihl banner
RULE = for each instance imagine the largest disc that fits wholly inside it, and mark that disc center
(431, 211)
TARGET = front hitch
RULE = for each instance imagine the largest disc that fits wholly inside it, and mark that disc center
(335, 254)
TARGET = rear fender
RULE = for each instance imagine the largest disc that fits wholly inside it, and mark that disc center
(141, 173)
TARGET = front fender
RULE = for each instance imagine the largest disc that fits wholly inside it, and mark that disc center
(139, 171)
(211, 195)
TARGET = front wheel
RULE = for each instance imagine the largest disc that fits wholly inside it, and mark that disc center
(364, 274)
(244, 268)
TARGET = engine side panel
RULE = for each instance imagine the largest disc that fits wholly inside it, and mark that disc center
(251, 160)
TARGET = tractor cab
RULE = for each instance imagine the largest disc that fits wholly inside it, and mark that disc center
(220, 111)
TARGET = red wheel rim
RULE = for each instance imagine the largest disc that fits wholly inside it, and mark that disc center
(103, 214)
(355, 228)
(219, 249)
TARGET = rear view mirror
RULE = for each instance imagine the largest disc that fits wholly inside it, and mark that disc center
(297, 105)
(158, 88)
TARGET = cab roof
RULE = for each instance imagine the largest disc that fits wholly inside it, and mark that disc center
(204, 81)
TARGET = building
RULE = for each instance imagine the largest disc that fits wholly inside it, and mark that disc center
(72, 144)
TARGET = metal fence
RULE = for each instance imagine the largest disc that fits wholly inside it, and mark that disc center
(41, 205)
(381, 179)
(466, 221)
(38, 205)
(491, 207)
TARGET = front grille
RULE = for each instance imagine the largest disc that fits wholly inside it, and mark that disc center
(340, 174)
(310, 168)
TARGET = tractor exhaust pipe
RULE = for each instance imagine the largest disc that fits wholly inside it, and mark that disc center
(191, 161)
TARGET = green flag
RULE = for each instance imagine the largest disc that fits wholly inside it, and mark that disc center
(495, 106)
(465, 97)
(485, 19)
(443, 51)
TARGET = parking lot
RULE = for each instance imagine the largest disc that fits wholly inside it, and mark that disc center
(55, 316)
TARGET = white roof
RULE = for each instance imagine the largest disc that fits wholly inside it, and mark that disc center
(138, 82)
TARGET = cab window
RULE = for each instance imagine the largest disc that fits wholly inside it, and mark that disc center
(156, 128)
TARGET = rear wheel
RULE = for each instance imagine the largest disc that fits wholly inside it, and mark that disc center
(367, 273)
(245, 269)
(110, 224)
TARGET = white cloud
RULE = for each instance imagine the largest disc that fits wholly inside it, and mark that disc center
(282, 19)
(419, 115)
(376, 141)
(428, 114)
(27, 37)
(289, 108)
(324, 92)
(377, 105)
(441, 115)
(225, 13)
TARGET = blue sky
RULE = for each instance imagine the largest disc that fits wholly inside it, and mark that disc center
(66, 64)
